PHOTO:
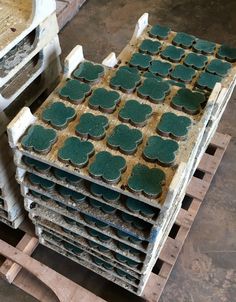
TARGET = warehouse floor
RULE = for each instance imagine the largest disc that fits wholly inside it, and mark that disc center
(206, 268)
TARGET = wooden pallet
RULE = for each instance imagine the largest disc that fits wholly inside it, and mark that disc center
(66, 10)
(49, 286)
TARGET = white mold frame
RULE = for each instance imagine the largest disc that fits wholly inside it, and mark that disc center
(41, 9)
(44, 33)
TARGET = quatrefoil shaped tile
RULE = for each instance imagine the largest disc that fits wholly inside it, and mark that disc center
(188, 101)
(135, 113)
(92, 126)
(135, 222)
(104, 100)
(172, 53)
(37, 195)
(160, 32)
(89, 72)
(129, 249)
(196, 61)
(126, 260)
(227, 53)
(174, 125)
(183, 73)
(58, 115)
(75, 91)
(141, 61)
(146, 181)
(99, 247)
(65, 176)
(100, 262)
(204, 46)
(35, 164)
(39, 139)
(183, 40)
(160, 68)
(125, 139)
(41, 182)
(76, 152)
(219, 67)
(104, 193)
(125, 80)
(150, 47)
(108, 167)
(98, 235)
(70, 194)
(162, 151)
(93, 221)
(139, 207)
(101, 206)
(128, 237)
(208, 80)
(153, 90)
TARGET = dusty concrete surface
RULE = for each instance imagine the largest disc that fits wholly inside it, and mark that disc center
(206, 268)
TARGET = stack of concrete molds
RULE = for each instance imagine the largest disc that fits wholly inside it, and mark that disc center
(29, 65)
(104, 163)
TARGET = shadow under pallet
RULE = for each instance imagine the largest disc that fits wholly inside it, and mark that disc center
(48, 285)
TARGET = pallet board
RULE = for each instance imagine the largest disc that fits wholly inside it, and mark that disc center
(169, 253)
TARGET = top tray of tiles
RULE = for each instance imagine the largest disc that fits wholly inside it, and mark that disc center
(129, 127)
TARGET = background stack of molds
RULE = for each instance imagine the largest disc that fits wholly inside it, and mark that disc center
(29, 64)
(86, 218)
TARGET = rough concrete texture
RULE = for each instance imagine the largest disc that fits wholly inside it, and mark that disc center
(206, 268)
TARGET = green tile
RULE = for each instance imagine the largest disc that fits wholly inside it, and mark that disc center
(208, 81)
(204, 46)
(89, 72)
(219, 67)
(139, 207)
(160, 68)
(75, 91)
(35, 164)
(196, 61)
(153, 90)
(228, 53)
(141, 61)
(150, 47)
(183, 40)
(183, 73)
(160, 32)
(103, 192)
(173, 54)
(125, 80)
(104, 100)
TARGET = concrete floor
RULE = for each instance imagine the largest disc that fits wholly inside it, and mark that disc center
(206, 268)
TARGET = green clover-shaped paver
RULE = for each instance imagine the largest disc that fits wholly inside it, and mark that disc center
(158, 31)
(108, 167)
(128, 237)
(139, 207)
(130, 69)
(37, 195)
(98, 235)
(219, 67)
(125, 275)
(125, 139)
(183, 73)
(153, 90)
(126, 260)
(93, 221)
(92, 126)
(172, 53)
(135, 222)
(151, 75)
(68, 193)
(183, 40)
(204, 46)
(188, 101)
(125, 80)
(75, 91)
(65, 176)
(71, 248)
(100, 262)
(176, 83)
(161, 150)
(99, 247)
(103, 192)
(41, 182)
(35, 164)
(101, 206)
(146, 181)
(160, 68)
(104, 100)
(129, 249)
(39, 139)
(149, 46)
(69, 220)
(135, 113)
(227, 53)
(58, 115)
(141, 61)
(196, 61)
(174, 125)
(208, 80)
(76, 152)
(89, 72)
